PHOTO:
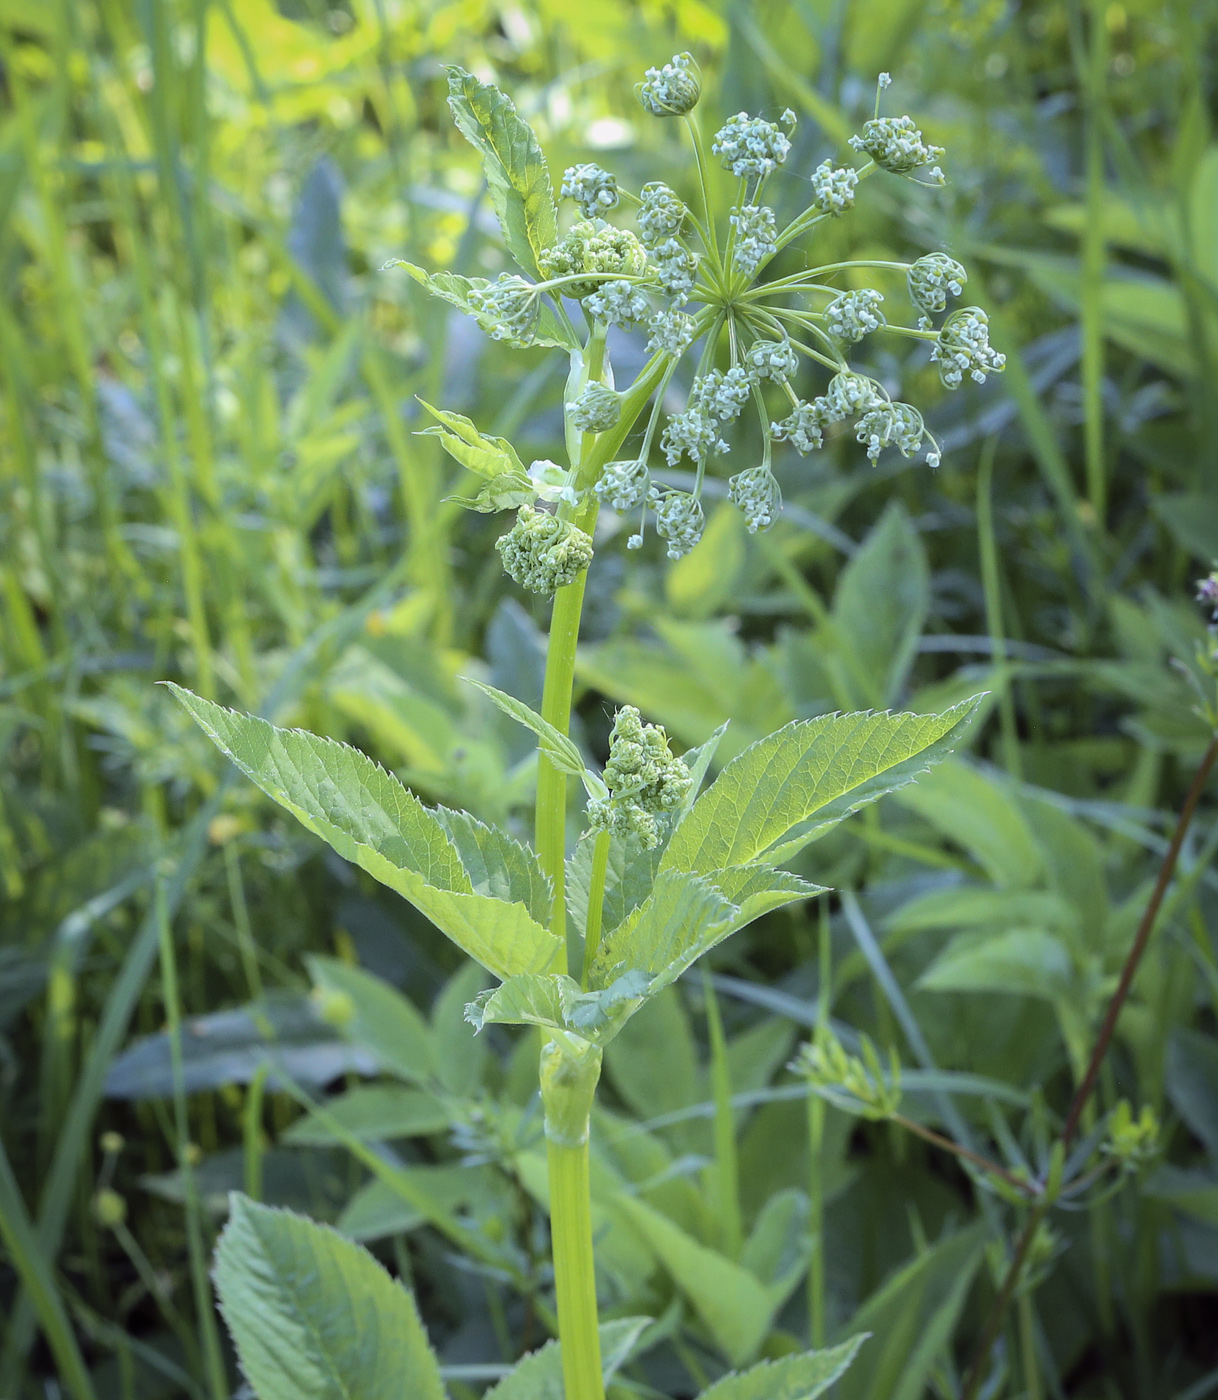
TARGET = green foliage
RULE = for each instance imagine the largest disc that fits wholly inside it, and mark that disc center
(791, 1378)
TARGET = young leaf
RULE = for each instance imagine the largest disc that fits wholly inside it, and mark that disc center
(488, 456)
(339, 794)
(557, 747)
(775, 796)
(802, 1377)
(377, 1016)
(515, 168)
(558, 1003)
(538, 1376)
(312, 1314)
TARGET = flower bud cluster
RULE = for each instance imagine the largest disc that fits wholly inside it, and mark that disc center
(679, 519)
(596, 410)
(897, 145)
(932, 279)
(771, 359)
(673, 90)
(618, 304)
(853, 315)
(964, 347)
(749, 146)
(508, 308)
(756, 237)
(833, 187)
(721, 394)
(592, 187)
(671, 332)
(691, 434)
(662, 213)
(803, 427)
(676, 267)
(849, 394)
(623, 485)
(594, 249)
(646, 782)
(542, 552)
(757, 496)
(897, 425)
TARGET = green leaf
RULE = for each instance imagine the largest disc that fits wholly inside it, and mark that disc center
(515, 168)
(339, 794)
(312, 1314)
(497, 864)
(373, 1014)
(557, 747)
(488, 456)
(538, 1376)
(736, 1309)
(455, 289)
(1027, 962)
(556, 1001)
(415, 1196)
(372, 1113)
(783, 790)
(790, 1378)
(1192, 1083)
(628, 880)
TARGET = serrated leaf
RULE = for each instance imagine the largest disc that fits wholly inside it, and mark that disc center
(538, 1376)
(515, 169)
(377, 1017)
(801, 1377)
(629, 877)
(341, 795)
(455, 289)
(557, 1002)
(560, 750)
(313, 1314)
(781, 791)
(372, 1113)
(736, 1309)
(497, 864)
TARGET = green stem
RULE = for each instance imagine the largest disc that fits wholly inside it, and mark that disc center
(727, 1166)
(596, 903)
(570, 1068)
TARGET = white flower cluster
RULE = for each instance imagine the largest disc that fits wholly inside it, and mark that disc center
(662, 213)
(853, 315)
(623, 485)
(690, 434)
(771, 359)
(964, 347)
(673, 90)
(932, 279)
(671, 332)
(592, 187)
(618, 304)
(849, 394)
(833, 187)
(676, 267)
(897, 145)
(508, 308)
(751, 146)
(756, 237)
(757, 496)
(803, 427)
(679, 520)
(596, 410)
(721, 394)
(893, 425)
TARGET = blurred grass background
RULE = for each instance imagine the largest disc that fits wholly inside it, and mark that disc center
(207, 473)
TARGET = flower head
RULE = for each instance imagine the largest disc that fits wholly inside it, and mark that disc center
(542, 552)
(671, 332)
(693, 434)
(676, 267)
(618, 304)
(756, 237)
(855, 314)
(757, 496)
(771, 359)
(596, 410)
(721, 394)
(508, 308)
(679, 519)
(833, 187)
(964, 346)
(595, 249)
(751, 146)
(673, 90)
(897, 145)
(646, 781)
(593, 188)
(662, 213)
(932, 279)
(623, 485)
(890, 424)
(803, 427)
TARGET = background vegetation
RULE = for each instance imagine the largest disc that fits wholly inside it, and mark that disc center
(207, 474)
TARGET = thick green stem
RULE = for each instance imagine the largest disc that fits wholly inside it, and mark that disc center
(570, 1068)
(596, 903)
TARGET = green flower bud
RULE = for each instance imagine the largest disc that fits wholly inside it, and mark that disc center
(1132, 1141)
(757, 496)
(645, 781)
(593, 188)
(803, 428)
(749, 146)
(756, 237)
(671, 332)
(893, 425)
(932, 279)
(596, 410)
(676, 267)
(662, 213)
(623, 485)
(964, 346)
(542, 552)
(673, 90)
(833, 187)
(508, 308)
(897, 145)
(679, 520)
(109, 1208)
(855, 314)
(594, 248)
(848, 395)
(771, 359)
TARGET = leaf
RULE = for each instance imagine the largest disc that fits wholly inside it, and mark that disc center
(628, 880)
(515, 168)
(805, 778)
(488, 456)
(377, 1016)
(556, 1001)
(455, 289)
(790, 1378)
(372, 1113)
(497, 864)
(1028, 962)
(560, 750)
(1192, 1083)
(313, 1314)
(538, 1376)
(377, 1210)
(339, 794)
(736, 1309)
